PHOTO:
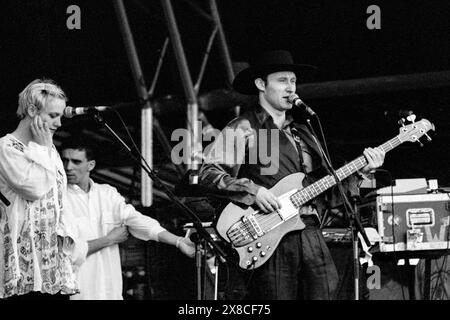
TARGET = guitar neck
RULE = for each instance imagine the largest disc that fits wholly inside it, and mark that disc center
(313, 190)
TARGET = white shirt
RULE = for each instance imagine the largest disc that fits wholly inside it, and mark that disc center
(97, 212)
(34, 182)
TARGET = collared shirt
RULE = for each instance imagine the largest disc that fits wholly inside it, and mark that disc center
(97, 212)
(31, 259)
(294, 137)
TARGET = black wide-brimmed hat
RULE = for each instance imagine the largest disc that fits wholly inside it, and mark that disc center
(268, 62)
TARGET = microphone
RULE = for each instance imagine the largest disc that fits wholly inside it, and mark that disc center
(70, 112)
(296, 101)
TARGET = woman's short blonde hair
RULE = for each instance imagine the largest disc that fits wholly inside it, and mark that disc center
(36, 94)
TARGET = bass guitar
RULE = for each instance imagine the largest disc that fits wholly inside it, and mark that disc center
(255, 235)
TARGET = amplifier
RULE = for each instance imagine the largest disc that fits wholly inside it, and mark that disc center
(337, 235)
(413, 222)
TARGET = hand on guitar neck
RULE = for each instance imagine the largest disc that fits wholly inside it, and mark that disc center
(374, 157)
(268, 202)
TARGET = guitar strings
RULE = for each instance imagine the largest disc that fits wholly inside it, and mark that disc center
(313, 190)
(269, 221)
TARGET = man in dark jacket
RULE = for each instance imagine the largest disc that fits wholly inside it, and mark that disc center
(252, 154)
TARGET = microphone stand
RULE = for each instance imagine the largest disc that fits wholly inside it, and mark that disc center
(4, 200)
(203, 235)
(355, 223)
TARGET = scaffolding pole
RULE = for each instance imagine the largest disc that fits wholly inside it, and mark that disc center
(223, 46)
(194, 139)
(377, 85)
(148, 122)
(147, 114)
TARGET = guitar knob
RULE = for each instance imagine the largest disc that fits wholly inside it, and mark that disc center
(248, 263)
(262, 254)
(250, 249)
(268, 248)
(258, 245)
(255, 259)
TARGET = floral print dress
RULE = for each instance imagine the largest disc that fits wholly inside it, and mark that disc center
(34, 240)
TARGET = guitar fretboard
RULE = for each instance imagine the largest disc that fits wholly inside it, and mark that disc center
(310, 192)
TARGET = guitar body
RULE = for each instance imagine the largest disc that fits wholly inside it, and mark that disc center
(255, 253)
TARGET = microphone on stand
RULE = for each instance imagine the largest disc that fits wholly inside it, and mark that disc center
(296, 101)
(70, 112)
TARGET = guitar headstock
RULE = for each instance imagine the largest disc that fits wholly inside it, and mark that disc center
(414, 131)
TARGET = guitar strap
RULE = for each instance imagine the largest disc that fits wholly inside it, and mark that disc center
(297, 138)
(309, 214)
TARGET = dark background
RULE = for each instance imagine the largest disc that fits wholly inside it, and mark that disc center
(92, 67)
(91, 64)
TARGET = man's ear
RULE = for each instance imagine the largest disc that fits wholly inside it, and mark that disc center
(260, 84)
(32, 110)
(91, 165)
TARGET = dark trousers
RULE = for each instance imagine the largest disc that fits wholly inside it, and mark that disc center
(300, 268)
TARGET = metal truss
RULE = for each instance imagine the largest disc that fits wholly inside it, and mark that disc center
(191, 89)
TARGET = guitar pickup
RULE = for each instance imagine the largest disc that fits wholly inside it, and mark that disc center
(255, 226)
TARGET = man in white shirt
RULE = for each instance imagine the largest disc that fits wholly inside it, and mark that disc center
(103, 220)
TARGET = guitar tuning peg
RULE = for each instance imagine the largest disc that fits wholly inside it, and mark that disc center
(420, 143)
(411, 117)
(428, 137)
(401, 122)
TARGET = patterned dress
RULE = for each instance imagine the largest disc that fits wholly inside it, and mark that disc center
(35, 240)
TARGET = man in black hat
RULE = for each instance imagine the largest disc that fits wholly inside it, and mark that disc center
(301, 266)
